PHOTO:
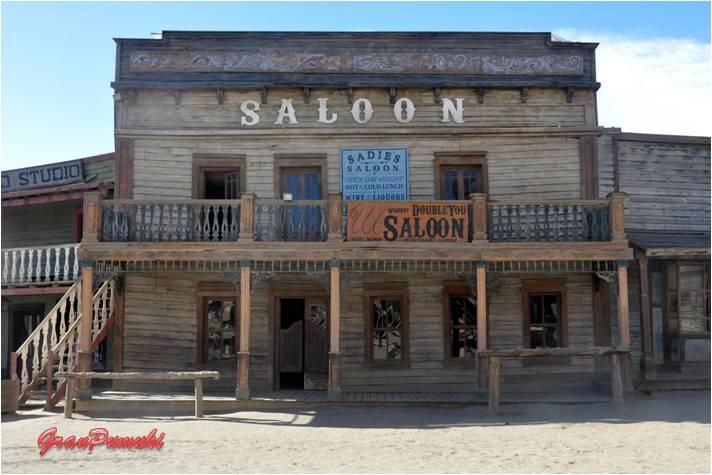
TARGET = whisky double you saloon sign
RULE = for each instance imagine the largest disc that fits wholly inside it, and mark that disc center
(441, 221)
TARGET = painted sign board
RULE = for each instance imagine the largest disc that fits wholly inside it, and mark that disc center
(374, 174)
(441, 221)
(43, 176)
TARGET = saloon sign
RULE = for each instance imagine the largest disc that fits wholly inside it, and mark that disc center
(409, 221)
(374, 174)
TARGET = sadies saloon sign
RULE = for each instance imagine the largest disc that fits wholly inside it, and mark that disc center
(442, 221)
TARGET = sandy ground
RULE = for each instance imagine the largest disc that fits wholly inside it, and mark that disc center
(663, 433)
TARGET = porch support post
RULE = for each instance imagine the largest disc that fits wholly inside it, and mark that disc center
(616, 215)
(92, 217)
(479, 216)
(85, 328)
(624, 323)
(481, 277)
(243, 355)
(334, 391)
(334, 217)
(247, 217)
(646, 321)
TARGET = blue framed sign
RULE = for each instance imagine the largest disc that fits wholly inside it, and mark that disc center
(374, 174)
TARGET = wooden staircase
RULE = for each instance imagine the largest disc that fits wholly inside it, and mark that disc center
(53, 346)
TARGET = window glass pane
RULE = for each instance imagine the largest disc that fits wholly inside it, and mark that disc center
(535, 309)
(691, 277)
(693, 317)
(214, 185)
(450, 189)
(470, 311)
(457, 311)
(311, 185)
(551, 309)
(469, 180)
(293, 184)
(232, 186)
(536, 336)
(387, 325)
(221, 329)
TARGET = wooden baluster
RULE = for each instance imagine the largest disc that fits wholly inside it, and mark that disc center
(22, 265)
(53, 329)
(5, 266)
(45, 343)
(183, 210)
(95, 318)
(47, 267)
(60, 358)
(214, 228)
(38, 277)
(234, 211)
(24, 373)
(14, 266)
(206, 223)
(221, 216)
(75, 263)
(66, 263)
(35, 355)
(140, 223)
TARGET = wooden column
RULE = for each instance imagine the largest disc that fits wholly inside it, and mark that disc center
(624, 323)
(124, 168)
(92, 215)
(119, 300)
(334, 391)
(85, 328)
(494, 366)
(243, 355)
(247, 217)
(616, 215)
(481, 277)
(335, 217)
(646, 321)
(479, 216)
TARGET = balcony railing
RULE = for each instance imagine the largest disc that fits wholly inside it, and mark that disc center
(574, 221)
(270, 220)
(40, 265)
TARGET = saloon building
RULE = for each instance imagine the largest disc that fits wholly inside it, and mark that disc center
(383, 212)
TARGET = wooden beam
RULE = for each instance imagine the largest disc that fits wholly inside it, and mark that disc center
(494, 367)
(85, 326)
(247, 217)
(589, 167)
(479, 216)
(624, 324)
(124, 168)
(198, 397)
(334, 389)
(118, 319)
(616, 380)
(243, 356)
(335, 217)
(51, 290)
(92, 216)
(646, 321)
(481, 276)
(616, 215)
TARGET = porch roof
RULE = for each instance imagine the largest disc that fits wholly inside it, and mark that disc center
(670, 243)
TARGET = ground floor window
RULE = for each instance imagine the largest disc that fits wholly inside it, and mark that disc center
(386, 323)
(544, 313)
(218, 325)
(460, 324)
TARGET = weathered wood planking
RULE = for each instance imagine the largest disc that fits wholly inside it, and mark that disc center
(157, 109)
(39, 225)
(667, 185)
(163, 166)
(161, 333)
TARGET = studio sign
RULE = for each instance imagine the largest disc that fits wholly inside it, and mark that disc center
(361, 111)
(407, 221)
(43, 176)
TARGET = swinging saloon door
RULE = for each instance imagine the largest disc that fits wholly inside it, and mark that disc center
(303, 343)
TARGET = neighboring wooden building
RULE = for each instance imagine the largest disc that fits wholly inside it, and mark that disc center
(361, 212)
(41, 231)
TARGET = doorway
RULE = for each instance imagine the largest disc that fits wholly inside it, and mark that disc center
(302, 350)
(24, 318)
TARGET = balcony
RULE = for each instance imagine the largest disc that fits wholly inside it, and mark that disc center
(44, 265)
(250, 219)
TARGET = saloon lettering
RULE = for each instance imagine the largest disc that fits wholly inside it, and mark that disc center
(432, 221)
(362, 111)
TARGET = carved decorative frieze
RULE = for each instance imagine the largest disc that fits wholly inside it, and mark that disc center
(348, 62)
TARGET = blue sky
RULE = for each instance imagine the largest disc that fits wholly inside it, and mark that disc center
(58, 57)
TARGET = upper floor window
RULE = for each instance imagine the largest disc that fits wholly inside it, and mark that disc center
(218, 177)
(458, 176)
(303, 177)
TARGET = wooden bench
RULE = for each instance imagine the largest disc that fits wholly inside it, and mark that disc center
(494, 358)
(196, 376)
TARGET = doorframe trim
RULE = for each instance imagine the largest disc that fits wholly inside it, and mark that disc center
(274, 295)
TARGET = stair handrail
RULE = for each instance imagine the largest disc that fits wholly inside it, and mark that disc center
(45, 321)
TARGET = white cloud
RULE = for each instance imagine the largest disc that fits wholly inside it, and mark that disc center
(651, 84)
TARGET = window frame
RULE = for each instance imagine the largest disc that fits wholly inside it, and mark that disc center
(215, 290)
(544, 286)
(445, 160)
(216, 163)
(703, 290)
(387, 291)
(283, 161)
(448, 292)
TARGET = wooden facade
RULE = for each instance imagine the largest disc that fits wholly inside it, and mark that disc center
(229, 234)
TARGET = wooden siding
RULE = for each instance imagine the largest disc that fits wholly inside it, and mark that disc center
(667, 185)
(163, 166)
(98, 170)
(38, 225)
(606, 177)
(160, 331)
(157, 109)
